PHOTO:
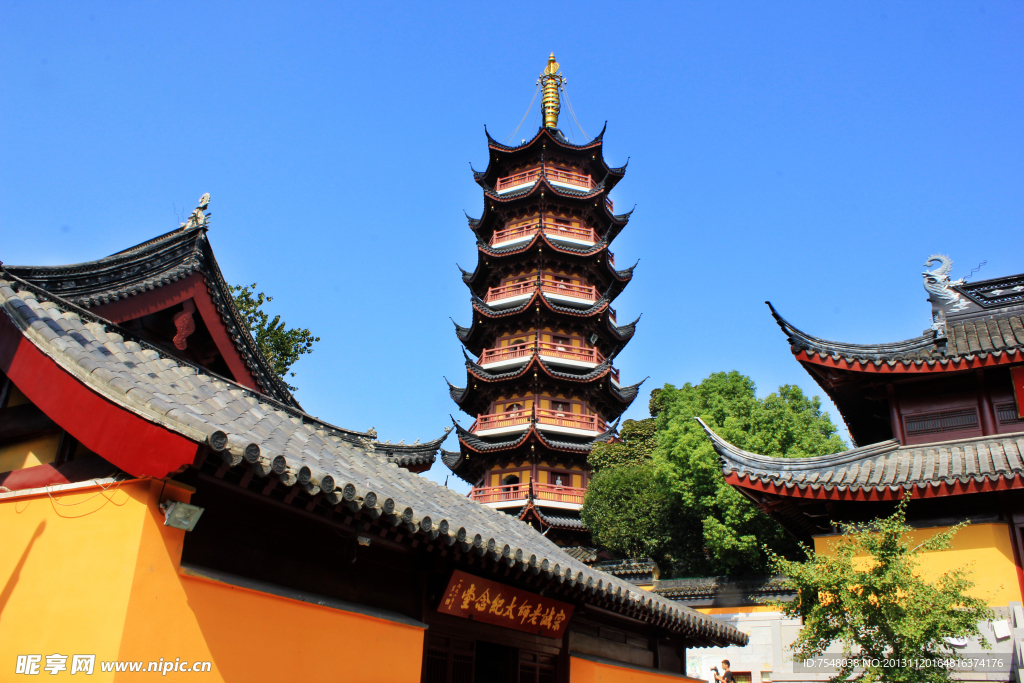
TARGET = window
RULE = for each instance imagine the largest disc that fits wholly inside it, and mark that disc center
(510, 479)
(448, 660)
(561, 407)
(560, 478)
(941, 421)
(535, 668)
(512, 407)
(1007, 414)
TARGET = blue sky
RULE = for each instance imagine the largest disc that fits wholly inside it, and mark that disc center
(808, 153)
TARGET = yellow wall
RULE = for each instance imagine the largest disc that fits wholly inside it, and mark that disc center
(589, 671)
(38, 451)
(97, 572)
(986, 549)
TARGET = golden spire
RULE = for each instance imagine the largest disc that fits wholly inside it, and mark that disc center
(552, 82)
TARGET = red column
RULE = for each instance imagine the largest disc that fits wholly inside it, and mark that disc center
(988, 414)
(895, 416)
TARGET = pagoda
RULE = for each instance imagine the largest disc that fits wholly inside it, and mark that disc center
(541, 384)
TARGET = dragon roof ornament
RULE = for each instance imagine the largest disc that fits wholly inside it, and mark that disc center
(943, 297)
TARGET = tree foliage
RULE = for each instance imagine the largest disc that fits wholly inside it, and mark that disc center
(869, 596)
(280, 345)
(631, 513)
(710, 528)
(636, 447)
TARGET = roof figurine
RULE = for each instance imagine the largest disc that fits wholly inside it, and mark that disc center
(198, 217)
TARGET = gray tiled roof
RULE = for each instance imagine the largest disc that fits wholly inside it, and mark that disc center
(300, 449)
(631, 570)
(884, 465)
(1002, 332)
(151, 265)
(584, 554)
(748, 589)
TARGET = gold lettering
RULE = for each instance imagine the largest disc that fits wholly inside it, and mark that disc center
(510, 610)
(452, 594)
(469, 596)
(496, 605)
(536, 613)
(557, 623)
(548, 616)
(484, 601)
(524, 612)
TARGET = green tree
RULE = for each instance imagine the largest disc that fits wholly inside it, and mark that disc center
(628, 508)
(869, 596)
(278, 344)
(785, 423)
(638, 439)
(688, 518)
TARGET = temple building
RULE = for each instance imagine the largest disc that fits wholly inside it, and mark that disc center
(939, 416)
(541, 384)
(166, 505)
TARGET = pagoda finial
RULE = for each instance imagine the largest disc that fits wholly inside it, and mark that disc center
(552, 82)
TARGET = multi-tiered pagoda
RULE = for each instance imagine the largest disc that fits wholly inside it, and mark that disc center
(541, 385)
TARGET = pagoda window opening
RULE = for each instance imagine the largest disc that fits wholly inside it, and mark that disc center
(561, 407)
(560, 478)
(1007, 415)
(941, 421)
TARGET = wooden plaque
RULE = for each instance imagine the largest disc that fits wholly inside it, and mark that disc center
(494, 603)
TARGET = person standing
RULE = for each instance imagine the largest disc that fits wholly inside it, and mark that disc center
(726, 675)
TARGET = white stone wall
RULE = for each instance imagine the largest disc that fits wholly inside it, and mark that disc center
(767, 656)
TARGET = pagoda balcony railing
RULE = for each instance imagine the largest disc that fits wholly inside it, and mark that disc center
(557, 418)
(547, 285)
(496, 495)
(560, 494)
(512, 418)
(519, 420)
(556, 176)
(554, 231)
(549, 350)
(499, 494)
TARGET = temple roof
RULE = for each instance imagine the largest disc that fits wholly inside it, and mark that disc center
(203, 406)
(500, 155)
(623, 394)
(478, 445)
(533, 509)
(473, 336)
(639, 570)
(721, 591)
(583, 553)
(254, 431)
(149, 266)
(607, 270)
(596, 308)
(415, 457)
(612, 223)
(995, 334)
(881, 471)
(543, 186)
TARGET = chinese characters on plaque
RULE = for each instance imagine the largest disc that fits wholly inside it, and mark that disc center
(495, 603)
